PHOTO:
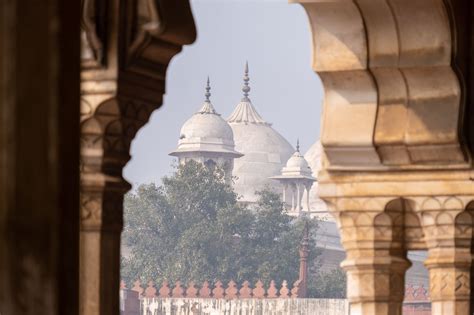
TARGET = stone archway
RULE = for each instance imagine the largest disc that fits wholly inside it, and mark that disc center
(396, 125)
(126, 48)
(402, 68)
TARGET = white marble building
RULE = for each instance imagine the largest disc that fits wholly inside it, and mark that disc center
(253, 153)
(256, 157)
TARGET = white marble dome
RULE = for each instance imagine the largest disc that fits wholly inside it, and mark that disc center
(206, 131)
(265, 152)
(297, 164)
(317, 206)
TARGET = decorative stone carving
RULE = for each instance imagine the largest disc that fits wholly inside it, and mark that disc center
(127, 46)
(397, 171)
(380, 107)
(447, 223)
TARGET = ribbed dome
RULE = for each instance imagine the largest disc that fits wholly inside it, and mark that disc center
(246, 113)
(313, 156)
(265, 150)
(297, 166)
(298, 161)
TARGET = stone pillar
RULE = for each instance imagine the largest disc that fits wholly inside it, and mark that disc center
(447, 226)
(308, 189)
(39, 157)
(303, 272)
(298, 197)
(376, 258)
(293, 197)
(396, 123)
(126, 48)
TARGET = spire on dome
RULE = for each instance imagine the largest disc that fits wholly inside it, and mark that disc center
(208, 90)
(246, 87)
(298, 145)
(245, 112)
(207, 107)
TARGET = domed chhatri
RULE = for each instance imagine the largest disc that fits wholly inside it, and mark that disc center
(207, 137)
(296, 178)
(297, 165)
(265, 150)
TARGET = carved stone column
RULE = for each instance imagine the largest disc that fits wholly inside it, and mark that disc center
(447, 225)
(376, 257)
(398, 85)
(126, 48)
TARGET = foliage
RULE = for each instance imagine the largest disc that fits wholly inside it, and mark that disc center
(328, 284)
(192, 228)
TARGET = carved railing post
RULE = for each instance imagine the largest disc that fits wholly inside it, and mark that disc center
(126, 48)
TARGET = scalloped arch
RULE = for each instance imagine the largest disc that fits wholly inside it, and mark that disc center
(391, 94)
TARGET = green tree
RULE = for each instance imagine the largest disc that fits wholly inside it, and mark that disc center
(329, 284)
(192, 228)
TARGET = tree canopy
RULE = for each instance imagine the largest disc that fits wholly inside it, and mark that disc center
(192, 228)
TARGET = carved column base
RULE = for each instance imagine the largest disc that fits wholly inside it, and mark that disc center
(450, 283)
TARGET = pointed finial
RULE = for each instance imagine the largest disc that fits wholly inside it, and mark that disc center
(246, 87)
(298, 145)
(208, 89)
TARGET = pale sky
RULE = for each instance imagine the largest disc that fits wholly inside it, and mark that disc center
(274, 37)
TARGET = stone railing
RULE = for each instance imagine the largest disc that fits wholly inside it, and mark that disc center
(217, 298)
(218, 290)
(197, 306)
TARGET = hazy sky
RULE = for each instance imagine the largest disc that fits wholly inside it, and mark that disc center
(274, 37)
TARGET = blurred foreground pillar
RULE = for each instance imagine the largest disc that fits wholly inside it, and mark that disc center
(39, 157)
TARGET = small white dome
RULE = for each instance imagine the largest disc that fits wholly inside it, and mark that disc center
(297, 165)
(206, 131)
(206, 127)
(314, 156)
(297, 161)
